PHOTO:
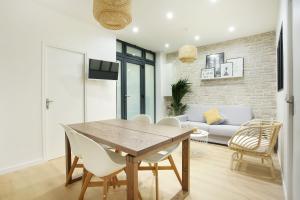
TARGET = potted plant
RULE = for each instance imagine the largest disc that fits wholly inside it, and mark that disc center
(179, 90)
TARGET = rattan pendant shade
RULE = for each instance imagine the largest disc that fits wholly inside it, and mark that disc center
(187, 54)
(112, 14)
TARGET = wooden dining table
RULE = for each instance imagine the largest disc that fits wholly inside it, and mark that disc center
(138, 140)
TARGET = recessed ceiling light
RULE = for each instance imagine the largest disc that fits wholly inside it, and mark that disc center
(135, 29)
(197, 37)
(231, 29)
(213, 1)
(167, 45)
(169, 15)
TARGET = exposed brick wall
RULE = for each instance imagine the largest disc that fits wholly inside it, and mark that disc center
(258, 86)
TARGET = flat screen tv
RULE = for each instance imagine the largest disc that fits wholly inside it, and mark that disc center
(100, 69)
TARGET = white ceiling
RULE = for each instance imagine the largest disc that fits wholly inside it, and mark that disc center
(191, 17)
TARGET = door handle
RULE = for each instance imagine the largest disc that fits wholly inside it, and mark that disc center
(291, 100)
(48, 101)
(127, 96)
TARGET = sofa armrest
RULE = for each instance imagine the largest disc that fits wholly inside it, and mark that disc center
(182, 118)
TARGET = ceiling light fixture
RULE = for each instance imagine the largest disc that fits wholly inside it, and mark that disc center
(135, 29)
(197, 37)
(187, 54)
(231, 29)
(169, 15)
(113, 15)
(213, 1)
(167, 45)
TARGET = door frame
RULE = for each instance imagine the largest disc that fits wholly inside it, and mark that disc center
(124, 57)
(296, 93)
(44, 47)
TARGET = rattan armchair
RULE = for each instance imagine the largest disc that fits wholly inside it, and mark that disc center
(255, 138)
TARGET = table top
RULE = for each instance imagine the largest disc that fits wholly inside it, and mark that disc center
(134, 138)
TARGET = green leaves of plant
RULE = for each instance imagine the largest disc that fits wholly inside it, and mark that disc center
(179, 90)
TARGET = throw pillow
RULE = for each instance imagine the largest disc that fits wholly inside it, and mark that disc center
(222, 121)
(213, 116)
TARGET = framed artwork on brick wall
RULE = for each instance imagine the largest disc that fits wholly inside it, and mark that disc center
(226, 70)
(208, 73)
(215, 61)
(237, 66)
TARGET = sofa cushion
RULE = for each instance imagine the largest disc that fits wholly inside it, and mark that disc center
(236, 115)
(225, 130)
(195, 112)
(233, 114)
(199, 125)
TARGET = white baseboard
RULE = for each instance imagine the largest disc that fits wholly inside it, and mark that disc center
(284, 190)
(283, 183)
(21, 166)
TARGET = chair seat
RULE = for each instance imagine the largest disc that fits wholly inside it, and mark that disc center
(161, 155)
(248, 143)
(119, 164)
(156, 157)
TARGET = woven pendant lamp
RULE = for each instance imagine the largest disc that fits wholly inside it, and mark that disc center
(112, 14)
(187, 54)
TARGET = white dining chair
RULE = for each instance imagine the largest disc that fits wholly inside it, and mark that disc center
(155, 158)
(100, 163)
(75, 150)
(142, 118)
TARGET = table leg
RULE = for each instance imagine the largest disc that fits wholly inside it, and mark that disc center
(132, 178)
(67, 156)
(186, 165)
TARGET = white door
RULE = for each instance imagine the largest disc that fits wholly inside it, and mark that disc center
(64, 96)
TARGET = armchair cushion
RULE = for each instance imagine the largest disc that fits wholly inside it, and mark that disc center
(249, 143)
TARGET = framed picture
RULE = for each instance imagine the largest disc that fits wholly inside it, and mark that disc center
(215, 61)
(208, 73)
(226, 70)
(238, 66)
(280, 63)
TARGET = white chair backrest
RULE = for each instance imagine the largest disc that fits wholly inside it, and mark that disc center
(95, 159)
(142, 118)
(71, 134)
(169, 121)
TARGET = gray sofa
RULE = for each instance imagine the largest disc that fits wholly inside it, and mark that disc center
(234, 117)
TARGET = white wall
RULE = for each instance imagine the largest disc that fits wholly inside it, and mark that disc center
(283, 110)
(159, 73)
(24, 25)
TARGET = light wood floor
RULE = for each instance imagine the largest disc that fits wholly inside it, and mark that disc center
(211, 178)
